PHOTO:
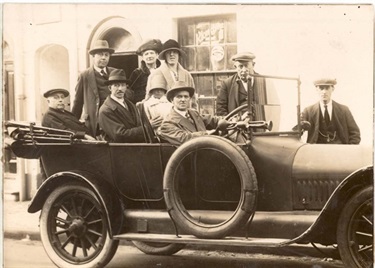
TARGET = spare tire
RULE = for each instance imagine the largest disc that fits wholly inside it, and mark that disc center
(244, 173)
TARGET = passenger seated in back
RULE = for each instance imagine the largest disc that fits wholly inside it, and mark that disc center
(156, 104)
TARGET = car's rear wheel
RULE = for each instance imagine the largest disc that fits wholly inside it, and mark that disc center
(154, 248)
(355, 230)
(222, 152)
(74, 228)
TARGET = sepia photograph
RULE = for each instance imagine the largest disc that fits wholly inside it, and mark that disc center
(187, 135)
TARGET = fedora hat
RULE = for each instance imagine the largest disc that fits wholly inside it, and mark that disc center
(56, 90)
(100, 45)
(177, 87)
(153, 44)
(117, 75)
(171, 45)
(243, 56)
(325, 82)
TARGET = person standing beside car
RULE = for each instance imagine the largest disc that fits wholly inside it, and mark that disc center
(234, 90)
(91, 90)
(149, 52)
(119, 117)
(330, 122)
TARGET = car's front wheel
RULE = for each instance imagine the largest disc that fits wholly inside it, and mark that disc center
(355, 230)
(74, 228)
(154, 248)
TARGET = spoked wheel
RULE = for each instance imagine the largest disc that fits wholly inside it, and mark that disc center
(355, 230)
(74, 229)
(153, 248)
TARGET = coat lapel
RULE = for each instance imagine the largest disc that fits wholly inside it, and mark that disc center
(123, 113)
(182, 121)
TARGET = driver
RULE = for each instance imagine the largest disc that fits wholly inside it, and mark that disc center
(182, 123)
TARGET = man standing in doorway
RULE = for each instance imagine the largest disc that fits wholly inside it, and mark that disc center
(91, 90)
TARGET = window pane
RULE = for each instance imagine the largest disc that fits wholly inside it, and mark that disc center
(218, 81)
(231, 50)
(203, 58)
(189, 59)
(217, 32)
(203, 34)
(217, 58)
(186, 34)
(207, 106)
(231, 31)
(205, 83)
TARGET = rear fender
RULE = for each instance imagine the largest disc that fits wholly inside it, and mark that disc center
(103, 191)
(323, 230)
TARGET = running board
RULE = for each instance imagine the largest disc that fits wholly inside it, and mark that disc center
(189, 239)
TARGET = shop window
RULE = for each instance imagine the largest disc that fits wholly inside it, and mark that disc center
(209, 43)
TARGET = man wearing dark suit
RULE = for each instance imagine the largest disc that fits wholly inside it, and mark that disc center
(183, 124)
(91, 90)
(331, 122)
(119, 117)
(234, 90)
(57, 117)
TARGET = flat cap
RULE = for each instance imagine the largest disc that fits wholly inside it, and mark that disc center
(56, 90)
(243, 56)
(153, 44)
(325, 82)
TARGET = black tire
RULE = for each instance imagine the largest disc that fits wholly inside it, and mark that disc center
(355, 230)
(248, 192)
(154, 248)
(74, 228)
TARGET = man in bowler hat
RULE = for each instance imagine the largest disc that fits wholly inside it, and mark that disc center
(91, 90)
(118, 116)
(59, 118)
(331, 122)
(149, 52)
(234, 90)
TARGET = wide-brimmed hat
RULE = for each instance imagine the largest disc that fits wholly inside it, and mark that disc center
(171, 45)
(100, 45)
(243, 56)
(117, 75)
(325, 82)
(56, 90)
(153, 44)
(177, 87)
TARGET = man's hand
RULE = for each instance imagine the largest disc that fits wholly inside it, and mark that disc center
(88, 137)
(156, 122)
(223, 125)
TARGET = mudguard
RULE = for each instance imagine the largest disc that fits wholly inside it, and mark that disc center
(323, 230)
(103, 191)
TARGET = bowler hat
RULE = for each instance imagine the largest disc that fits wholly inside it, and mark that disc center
(153, 44)
(56, 90)
(117, 75)
(171, 45)
(177, 87)
(100, 45)
(243, 56)
(325, 82)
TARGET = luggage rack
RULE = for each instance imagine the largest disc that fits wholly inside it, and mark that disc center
(30, 133)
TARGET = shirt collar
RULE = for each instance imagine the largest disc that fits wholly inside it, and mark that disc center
(120, 101)
(183, 113)
(99, 69)
(329, 107)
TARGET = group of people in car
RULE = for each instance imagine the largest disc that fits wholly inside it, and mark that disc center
(112, 105)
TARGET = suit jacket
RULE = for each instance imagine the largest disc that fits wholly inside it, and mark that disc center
(228, 100)
(347, 129)
(64, 120)
(87, 98)
(120, 124)
(177, 129)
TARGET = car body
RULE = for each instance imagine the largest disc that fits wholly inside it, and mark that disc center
(268, 189)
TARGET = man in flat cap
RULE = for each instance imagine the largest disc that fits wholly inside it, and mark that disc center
(91, 90)
(331, 122)
(119, 117)
(182, 123)
(59, 118)
(234, 90)
(149, 51)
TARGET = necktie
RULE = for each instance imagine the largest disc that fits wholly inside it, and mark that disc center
(326, 115)
(103, 73)
(189, 118)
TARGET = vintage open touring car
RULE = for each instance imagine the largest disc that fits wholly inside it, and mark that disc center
(255, 183)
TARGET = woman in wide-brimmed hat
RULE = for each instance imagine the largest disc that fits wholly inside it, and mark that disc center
(171, 70)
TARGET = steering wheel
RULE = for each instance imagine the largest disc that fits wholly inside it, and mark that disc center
(239, 113)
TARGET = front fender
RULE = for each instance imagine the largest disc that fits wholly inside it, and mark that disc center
(323, 230)
(102, 189)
